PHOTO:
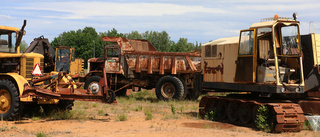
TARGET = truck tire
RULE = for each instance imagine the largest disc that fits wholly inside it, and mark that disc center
(9, 100)
(169, 87)
(92, 83)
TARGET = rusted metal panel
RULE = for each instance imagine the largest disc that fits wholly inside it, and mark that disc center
(310, 106)
(173, 68)
(149, 64)
(138, 64)
(161, 72)
(215, 68)
(122, 42)
(144, 61)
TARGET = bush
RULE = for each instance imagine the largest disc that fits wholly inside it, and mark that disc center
(211, 115)
(262, 119)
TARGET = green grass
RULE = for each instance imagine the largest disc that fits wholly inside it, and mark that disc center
(148, 114)
(122, 117)
(40, 134)
(143, 102)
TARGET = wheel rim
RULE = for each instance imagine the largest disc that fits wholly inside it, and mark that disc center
(5, 101)
(168, 90)
(233, 112)
(245, 113)
(94, 87)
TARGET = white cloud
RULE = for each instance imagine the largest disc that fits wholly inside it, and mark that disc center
(80, 10)
(5, 17)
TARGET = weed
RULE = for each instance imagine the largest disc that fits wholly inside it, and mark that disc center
(307, 125)
(94, 105)
(262, 119)
(171, 117)
(40, 134)
(181, 109)
(35, 118)
(173, 109)
(207, 126)
(101, 113)
(122, 117)
(5, 128)
(14, 127)
(138, 108)
(211, 115)
(148, 114)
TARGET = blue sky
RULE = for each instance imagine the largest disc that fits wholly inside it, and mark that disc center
(197, 20)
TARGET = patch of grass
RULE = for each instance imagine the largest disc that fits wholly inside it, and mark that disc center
(14, 127)
(94, 105)
(40, 134)
(100, 112)
(35, 118)
(307, 125)
(144, 95)
(66, 115)
(171, 117)
(173, 109)
(138, 108)
(3, 129)
(263, 118)
(122, 117)
(148, 114)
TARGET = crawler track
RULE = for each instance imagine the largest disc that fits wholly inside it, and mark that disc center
(284, 116)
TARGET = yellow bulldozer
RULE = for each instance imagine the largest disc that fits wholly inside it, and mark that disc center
(19, 86)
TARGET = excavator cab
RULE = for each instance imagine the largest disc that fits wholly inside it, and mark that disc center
(269, 54)
(64, 56)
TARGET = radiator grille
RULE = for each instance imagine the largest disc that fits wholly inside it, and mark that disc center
(29, 67)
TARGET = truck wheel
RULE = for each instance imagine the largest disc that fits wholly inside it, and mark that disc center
(92, 83)
(9, 100)
(169, 87)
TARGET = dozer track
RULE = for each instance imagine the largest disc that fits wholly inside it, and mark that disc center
(284, 116)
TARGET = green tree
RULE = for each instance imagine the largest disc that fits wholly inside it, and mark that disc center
(82, 40)
(23, 46)
(182, 46)
(160, 40)
(133, 35)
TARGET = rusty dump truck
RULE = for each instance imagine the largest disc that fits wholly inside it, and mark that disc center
(133, 63)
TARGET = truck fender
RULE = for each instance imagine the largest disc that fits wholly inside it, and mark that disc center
(19, 80)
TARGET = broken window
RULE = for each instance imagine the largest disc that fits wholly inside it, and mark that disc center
(246, 43)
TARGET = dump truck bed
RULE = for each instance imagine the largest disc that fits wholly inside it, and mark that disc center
(141, 56)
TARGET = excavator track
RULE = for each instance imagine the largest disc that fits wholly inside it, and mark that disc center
(284, 116)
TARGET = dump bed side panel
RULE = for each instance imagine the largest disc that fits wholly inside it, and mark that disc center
(162, 63)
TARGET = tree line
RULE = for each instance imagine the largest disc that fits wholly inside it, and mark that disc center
(84, 41)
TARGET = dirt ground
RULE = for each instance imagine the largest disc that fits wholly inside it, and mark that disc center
(135, 126)
(102, 120)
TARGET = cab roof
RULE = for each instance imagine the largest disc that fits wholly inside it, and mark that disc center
(269, 22)
(6, 29)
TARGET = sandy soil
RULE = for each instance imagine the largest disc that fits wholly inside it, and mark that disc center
(135, 126)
